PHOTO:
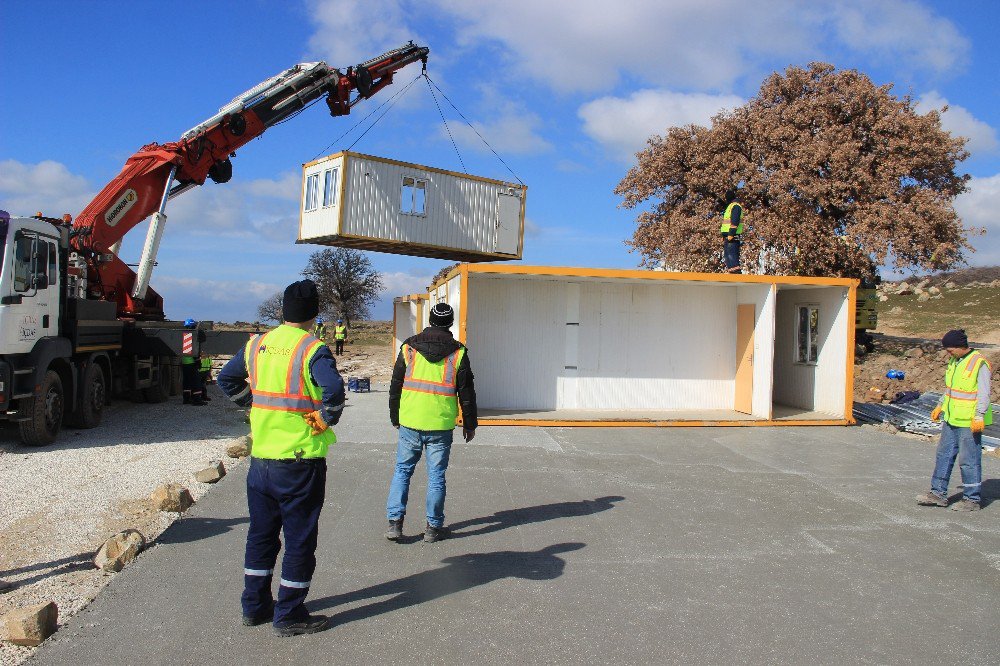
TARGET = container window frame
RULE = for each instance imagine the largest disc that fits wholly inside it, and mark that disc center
(310, 201)
(811, 351)
(330, 186)
(409, 190)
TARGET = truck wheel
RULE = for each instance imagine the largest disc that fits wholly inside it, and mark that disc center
(160, 392)
(92, 399)
(45, 413)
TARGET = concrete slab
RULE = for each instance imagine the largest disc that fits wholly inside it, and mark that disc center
(590, 545)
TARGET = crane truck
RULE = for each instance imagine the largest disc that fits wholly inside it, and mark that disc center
(78, 324)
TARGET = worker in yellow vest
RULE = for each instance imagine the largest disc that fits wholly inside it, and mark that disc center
(339, 336)
(291, 380)
(965, 406)
(732, 232)
(431, 378)
(192, 386)
(319, 330)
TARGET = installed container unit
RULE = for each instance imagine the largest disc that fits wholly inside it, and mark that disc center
(372, 203)
(408, 318)
(580, 346)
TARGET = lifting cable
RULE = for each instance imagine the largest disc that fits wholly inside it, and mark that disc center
(389, 101)
(431, 86)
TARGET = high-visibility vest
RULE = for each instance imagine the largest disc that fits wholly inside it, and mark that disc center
(961, 382)
(319, 331)
(283, 390)
(430, 397)
(726, 226)
(340, 333)
(206, 363)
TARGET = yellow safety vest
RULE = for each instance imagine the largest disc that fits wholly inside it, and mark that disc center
(960, 378)
(319, 331)
(340, 333)
(206, 363)
(430, 398)
(283, 390)
(726, 226)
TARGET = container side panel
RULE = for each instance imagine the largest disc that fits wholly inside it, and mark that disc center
(454, 298)
(509, 223)
(323, 219)
(763, 344)
(406, 323)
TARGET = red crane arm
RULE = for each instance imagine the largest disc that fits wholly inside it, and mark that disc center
(204, 152)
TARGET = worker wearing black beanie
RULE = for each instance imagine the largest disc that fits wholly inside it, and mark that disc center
(300, 302)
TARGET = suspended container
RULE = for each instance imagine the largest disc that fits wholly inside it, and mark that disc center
(373, 203)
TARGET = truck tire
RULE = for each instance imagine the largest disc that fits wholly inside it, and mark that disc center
(45, 412)
(93, 395)
(160, 392)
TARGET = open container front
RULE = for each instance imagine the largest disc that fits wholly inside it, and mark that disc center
(565, 346)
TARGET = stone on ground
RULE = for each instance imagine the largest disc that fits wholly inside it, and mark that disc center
(30, 626)
(119, 550)
(242, 447)
(172, 497)
(210, 474)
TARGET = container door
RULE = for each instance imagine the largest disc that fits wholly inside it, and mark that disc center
(745, 316)
(508, 223)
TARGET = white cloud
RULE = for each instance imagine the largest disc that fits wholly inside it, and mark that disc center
(217, 300)
(401, 284)
(977, 207)
(903, 33)
(623, 124)
(349, 31)
(47, 186)
(515, 133)
(957, 120)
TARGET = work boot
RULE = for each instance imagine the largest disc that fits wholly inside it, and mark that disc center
(186, 397)
(965, 505)
(931, 498)
(395, 531)
(265, 615)
(432, 534)
(309, 625)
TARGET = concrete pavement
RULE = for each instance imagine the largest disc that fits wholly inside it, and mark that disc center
(586, 545)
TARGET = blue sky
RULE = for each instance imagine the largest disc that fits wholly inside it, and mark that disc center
(565, 91)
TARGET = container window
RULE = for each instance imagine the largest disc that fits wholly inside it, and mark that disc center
(312, 192)
(329, 187)
(807, 334)
(413, 196)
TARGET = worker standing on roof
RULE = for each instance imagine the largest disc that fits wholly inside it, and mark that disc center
(319, 330)
(431, 377)
(339, 336)
(966, 408)
(193, 389)
(732, 232)
(291, 380)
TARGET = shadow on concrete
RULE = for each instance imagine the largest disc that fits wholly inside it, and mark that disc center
(187, 530)
(47, 569)
(502, 520)
(462, 572)
(989, 492)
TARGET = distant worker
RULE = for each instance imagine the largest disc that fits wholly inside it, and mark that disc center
(732, 232)
(319, 330)
(339, 336)
(431, 377)
(192, 389)
(290, 380)
(966, 408)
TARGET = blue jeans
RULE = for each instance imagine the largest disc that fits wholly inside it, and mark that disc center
(732, 253)
(967, 447)
(411, 445)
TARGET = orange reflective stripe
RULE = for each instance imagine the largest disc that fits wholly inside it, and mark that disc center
(254, 350)
(295, 360)
(305, 366)
(449, 368)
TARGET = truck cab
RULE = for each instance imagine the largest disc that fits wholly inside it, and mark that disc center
(29, 283)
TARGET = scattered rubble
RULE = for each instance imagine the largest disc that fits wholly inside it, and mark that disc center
(172, 497)
(31, 625)
(242, 447)
(210, 474)
(119, 550)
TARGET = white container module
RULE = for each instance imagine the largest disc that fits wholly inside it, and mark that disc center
(373, 203)
(584, 346)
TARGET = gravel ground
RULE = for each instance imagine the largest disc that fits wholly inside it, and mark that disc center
(61, 502)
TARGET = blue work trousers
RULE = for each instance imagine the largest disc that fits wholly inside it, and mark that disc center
(288, 496)
(967, 447)
(411, 446)
(732, 253)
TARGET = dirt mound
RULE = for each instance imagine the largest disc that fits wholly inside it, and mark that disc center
(923, 366)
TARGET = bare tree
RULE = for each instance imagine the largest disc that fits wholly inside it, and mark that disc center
(837, 177)
(347, 282)
(270, 310)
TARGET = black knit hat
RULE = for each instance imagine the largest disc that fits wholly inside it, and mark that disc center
(300, 302)
(442, 316)
(956, 339)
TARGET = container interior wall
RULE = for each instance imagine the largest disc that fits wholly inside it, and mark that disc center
(405, 322)
(762, 297)
(601, 345)
(322, 220)
(820, 386)
(457, 213)
(447, 292)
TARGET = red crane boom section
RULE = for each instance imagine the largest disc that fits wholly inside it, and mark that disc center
(137, 192)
